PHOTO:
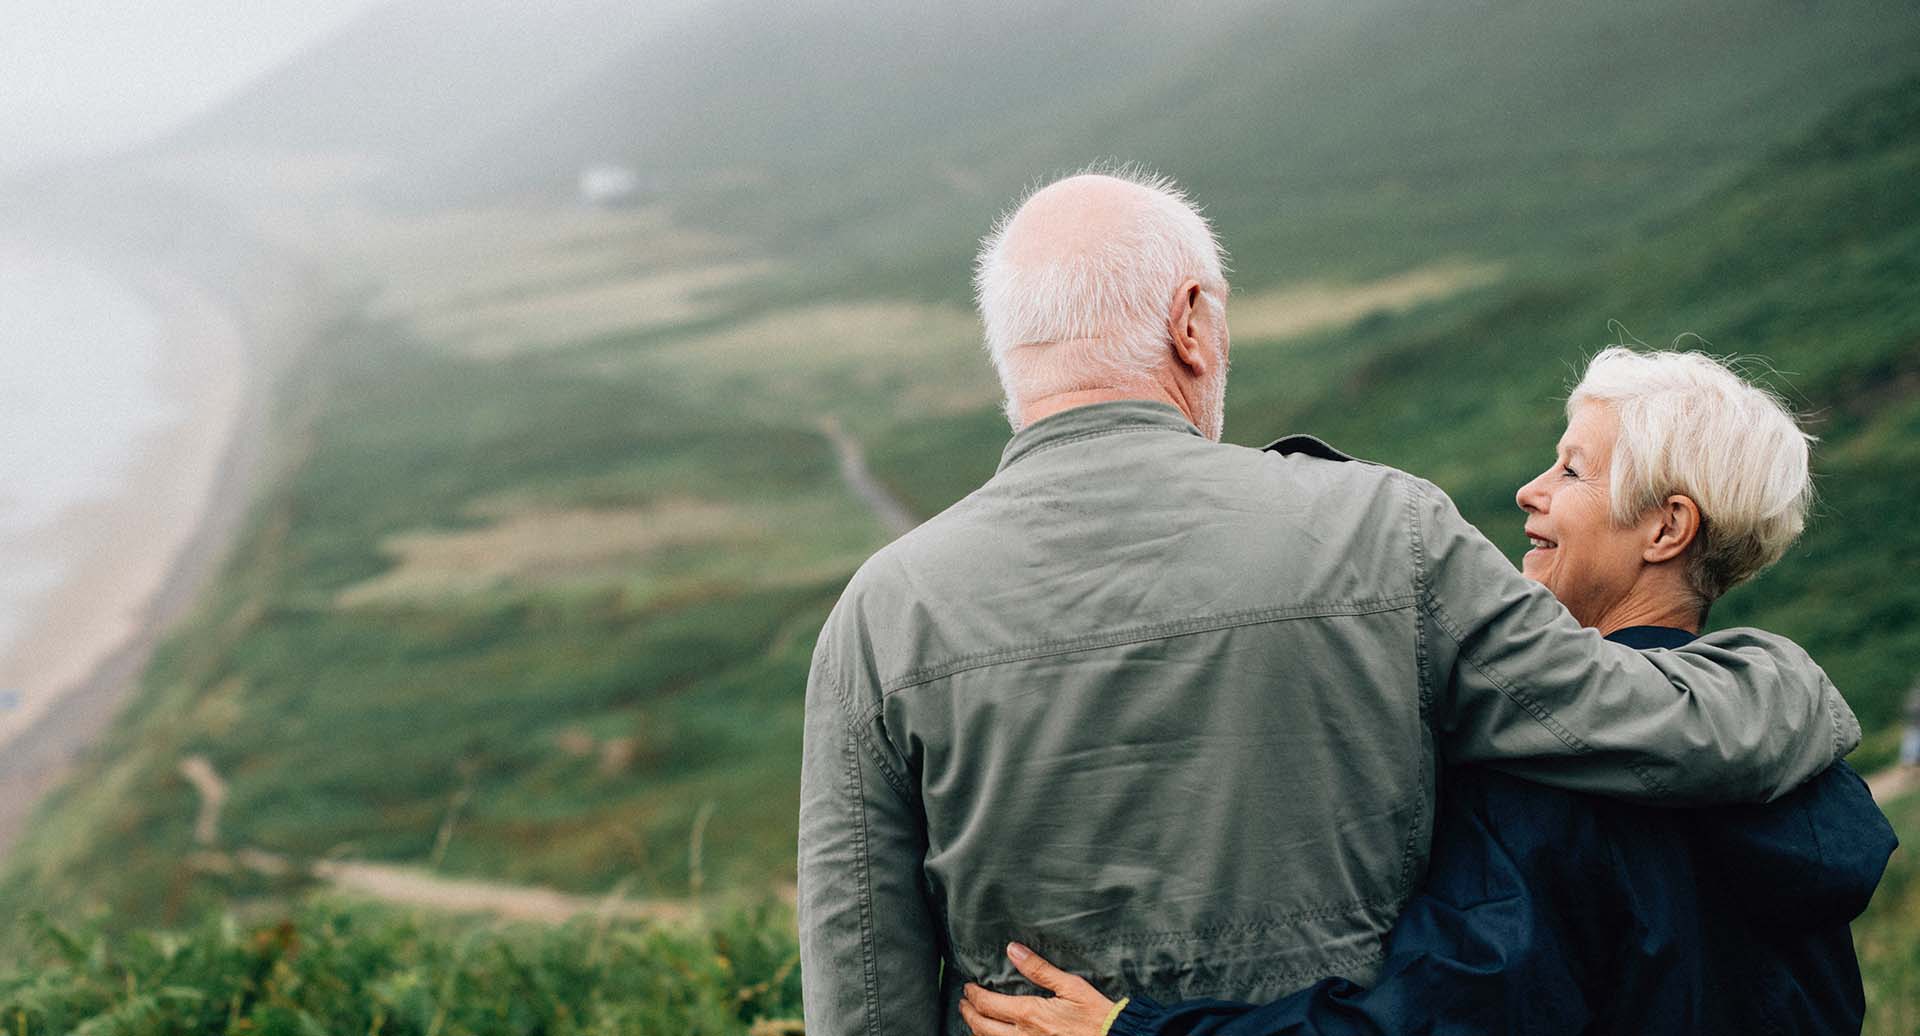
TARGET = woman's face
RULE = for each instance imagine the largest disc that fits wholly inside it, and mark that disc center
(1578, 553)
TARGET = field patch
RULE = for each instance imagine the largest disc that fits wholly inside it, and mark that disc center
(473, 254)
(498, 281)
(539, 546)
(806, 336)
(910, 358)
(1309, 306)
(557, 315)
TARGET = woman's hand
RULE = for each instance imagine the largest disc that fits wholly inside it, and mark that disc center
(1074, 1009)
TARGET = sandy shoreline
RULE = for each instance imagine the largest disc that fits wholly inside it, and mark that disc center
(136, 558)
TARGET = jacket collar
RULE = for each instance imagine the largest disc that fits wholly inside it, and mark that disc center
(1643, 637)
(1092, 421)
(1312, 446)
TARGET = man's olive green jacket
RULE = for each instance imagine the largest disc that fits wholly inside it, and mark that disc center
(1171, 712)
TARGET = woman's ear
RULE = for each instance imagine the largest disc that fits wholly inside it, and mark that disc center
(1678, 527)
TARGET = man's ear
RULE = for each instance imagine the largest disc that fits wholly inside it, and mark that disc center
(1678, 527)
(1187, 325)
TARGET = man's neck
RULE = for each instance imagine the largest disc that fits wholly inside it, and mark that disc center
(1046, 406)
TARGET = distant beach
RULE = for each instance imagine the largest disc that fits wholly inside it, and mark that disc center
(126, 396)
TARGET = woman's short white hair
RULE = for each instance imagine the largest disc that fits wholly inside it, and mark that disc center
(1691, 425)
(1095, 317)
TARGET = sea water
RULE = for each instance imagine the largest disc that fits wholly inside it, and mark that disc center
(78, 361)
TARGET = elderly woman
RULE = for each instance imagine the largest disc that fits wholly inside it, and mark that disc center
(1550, 912)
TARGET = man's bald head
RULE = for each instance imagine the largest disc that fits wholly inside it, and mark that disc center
(1074, 217)
(1075, 286)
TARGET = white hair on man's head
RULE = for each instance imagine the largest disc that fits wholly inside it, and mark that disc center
(1689, 424)
(1089, 310)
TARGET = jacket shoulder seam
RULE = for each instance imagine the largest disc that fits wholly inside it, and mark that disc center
(1134, 635)
(855, 721)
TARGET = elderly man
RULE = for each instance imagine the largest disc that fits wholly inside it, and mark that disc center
(1233, 672)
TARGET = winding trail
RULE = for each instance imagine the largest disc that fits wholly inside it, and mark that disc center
(199, 772)
(511, 902)
(894, 516)
(414, 887)
(1893, 782)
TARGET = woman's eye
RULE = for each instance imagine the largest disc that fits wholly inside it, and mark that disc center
(1569, 472)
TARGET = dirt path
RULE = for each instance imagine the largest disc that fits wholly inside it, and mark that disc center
(893, 515)
(414, 887)
(510, 902)
(199, 772)
(1303, 308)
(1893, 782)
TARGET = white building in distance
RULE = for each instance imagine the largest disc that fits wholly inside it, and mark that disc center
(606, 185)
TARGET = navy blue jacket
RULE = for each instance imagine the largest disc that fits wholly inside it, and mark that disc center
(1546, 911)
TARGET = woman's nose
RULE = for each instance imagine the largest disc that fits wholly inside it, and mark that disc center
(1531, 498)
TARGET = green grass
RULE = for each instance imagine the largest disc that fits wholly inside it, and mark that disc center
(338, 968)
(1885, 935)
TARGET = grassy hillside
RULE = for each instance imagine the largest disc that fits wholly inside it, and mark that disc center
(1333, 137)
(1884, 937)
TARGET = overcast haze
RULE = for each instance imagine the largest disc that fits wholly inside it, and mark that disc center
(107, 74)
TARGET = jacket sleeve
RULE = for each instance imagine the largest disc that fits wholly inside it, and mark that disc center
(869, 946)
(1513, 681)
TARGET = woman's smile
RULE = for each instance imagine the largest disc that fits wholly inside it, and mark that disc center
(1577, 551)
